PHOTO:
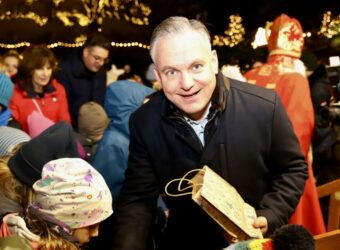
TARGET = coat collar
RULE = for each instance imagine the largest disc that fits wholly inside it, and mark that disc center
(49, 89)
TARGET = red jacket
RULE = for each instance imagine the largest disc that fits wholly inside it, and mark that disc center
(279, 74)
(53, 104)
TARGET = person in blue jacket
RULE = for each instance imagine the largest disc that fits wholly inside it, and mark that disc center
(6, 92)
(122, 99)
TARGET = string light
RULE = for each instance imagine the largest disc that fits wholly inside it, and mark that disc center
(29, 15)
(75, 45)
(233, 35)
(15, 45)
(139, 15)
(329, 27)
(95, 11)
(67, 45)
(130, 44)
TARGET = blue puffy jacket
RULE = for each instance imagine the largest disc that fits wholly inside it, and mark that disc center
(122, 99)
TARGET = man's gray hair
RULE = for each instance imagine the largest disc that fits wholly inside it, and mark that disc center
(176, 25)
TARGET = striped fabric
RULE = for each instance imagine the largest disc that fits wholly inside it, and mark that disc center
(256, 244)
(9, 138)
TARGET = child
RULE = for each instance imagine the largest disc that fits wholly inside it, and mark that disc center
(92, 122)
(287, 237)
(72, 198)
(6, 92)
(22, 168)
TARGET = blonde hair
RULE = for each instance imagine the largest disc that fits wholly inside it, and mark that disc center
(50, 238)
(12, 188)
(24, 195)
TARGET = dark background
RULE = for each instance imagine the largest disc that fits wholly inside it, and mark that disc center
(214, 13)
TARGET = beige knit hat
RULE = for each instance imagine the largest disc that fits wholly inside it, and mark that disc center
(92, 119)
(73, 192)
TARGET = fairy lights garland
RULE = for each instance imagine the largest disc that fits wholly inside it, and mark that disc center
(233, 35)
(330, 27)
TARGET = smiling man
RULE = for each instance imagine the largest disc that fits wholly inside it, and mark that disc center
(201, 118)
(84, 76)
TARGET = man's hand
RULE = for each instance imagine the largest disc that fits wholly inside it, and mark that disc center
(262, 224)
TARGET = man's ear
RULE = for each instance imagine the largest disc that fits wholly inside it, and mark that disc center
(85, 52)
(214, 61)
(158, 76)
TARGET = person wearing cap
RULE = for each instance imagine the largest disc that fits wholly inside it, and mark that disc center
(21, 169)
(123, 97)
(6, 92)
(57, 141)
(37, 90)
(280, 73)
(200, 118)
(15, 196)
(71, 198)
(92, 122)
(10, 138)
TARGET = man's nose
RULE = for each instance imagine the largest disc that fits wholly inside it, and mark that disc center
(46, 72)
(187, 81)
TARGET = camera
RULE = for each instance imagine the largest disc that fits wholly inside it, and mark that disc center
(330, 113)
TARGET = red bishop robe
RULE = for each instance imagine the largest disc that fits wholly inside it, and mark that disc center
(279, 74)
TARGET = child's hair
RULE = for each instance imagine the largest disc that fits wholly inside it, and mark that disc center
(293, 237)
(71, 194)
(51, 236)
(12, 188)
(286, 237)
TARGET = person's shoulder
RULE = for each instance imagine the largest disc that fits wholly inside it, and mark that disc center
(152, 108)
(17, 92)
(58, 86)
(246, 88)
(69, 62)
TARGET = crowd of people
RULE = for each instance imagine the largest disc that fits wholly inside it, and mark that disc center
(82, 157)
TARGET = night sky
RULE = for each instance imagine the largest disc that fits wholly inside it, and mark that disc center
(214, 13)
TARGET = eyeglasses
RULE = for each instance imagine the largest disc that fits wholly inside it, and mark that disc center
(100, 59)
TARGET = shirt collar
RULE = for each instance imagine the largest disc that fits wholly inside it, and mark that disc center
(205, 117)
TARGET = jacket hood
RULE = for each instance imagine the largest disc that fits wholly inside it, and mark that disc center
(122, 99)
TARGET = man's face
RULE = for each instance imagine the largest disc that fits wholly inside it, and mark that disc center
(11, 65)
(186, 68)
(95, 57)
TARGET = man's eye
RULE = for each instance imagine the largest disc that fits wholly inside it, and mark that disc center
(170, 73)
(197, 66)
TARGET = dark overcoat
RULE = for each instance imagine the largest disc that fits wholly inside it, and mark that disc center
(249, 141)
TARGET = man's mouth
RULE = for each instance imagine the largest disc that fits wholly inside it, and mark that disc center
(190, 95)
